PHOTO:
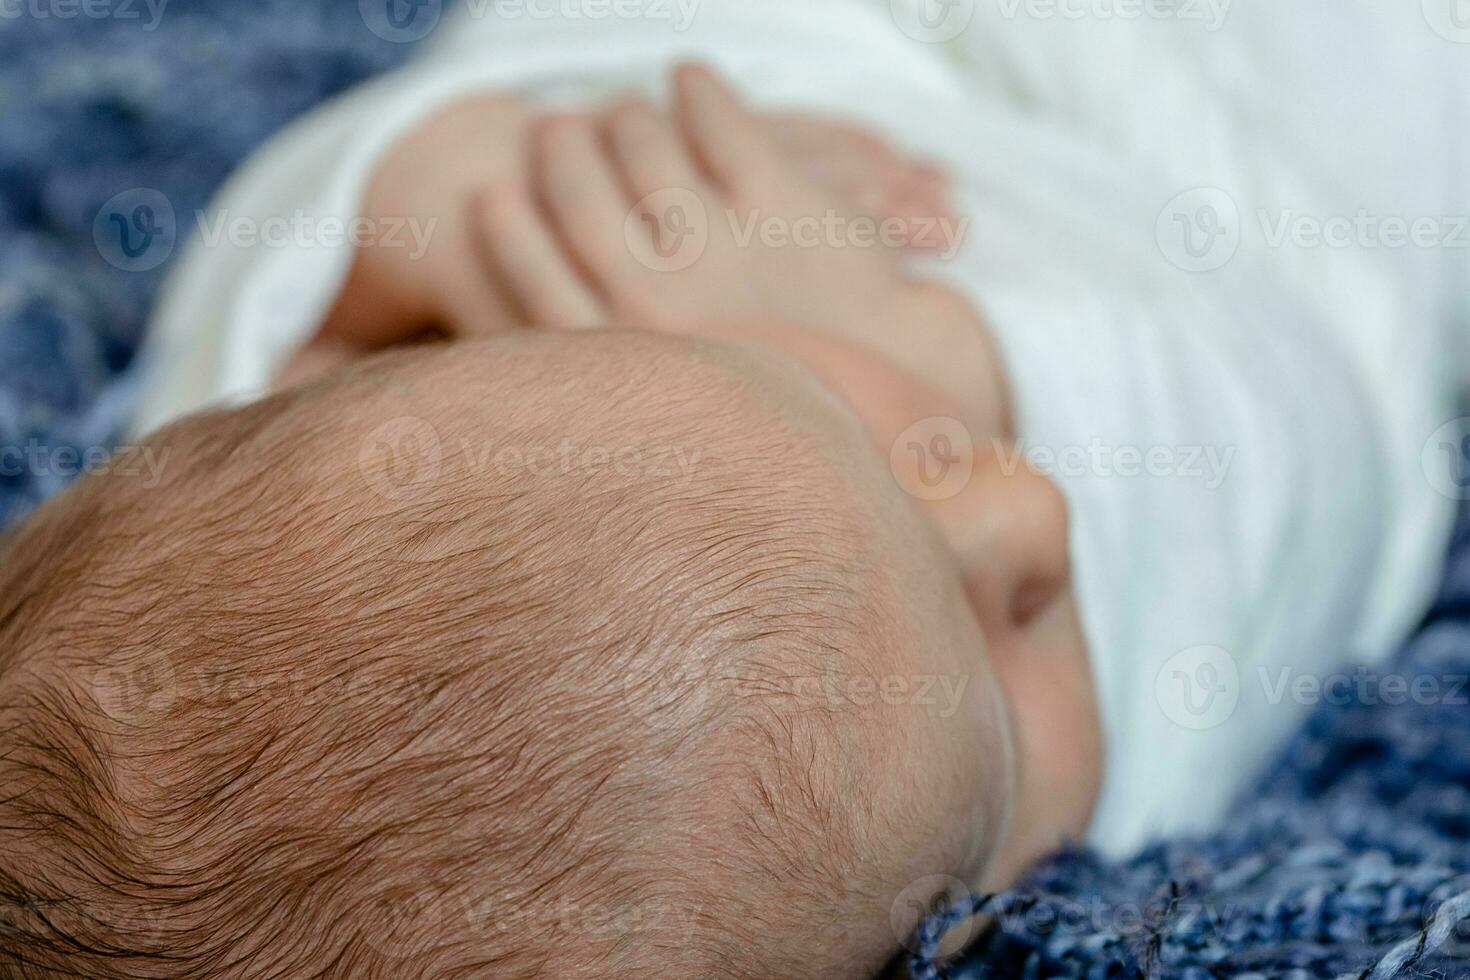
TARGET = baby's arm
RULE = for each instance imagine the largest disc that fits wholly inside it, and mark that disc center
(696, 222)
(440, 175)
(233, 314)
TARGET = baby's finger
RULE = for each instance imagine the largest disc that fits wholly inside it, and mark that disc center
(584, 198)
(734, 146)
(649, 151)
(804, 133)
(922, 203)
(869, 174)
(528, 260)
(846, 160)
(658, 172)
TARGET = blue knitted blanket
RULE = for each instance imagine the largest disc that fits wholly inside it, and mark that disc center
(129, 103)
(1352, 857)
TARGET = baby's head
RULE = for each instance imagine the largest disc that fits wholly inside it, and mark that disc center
(593, 655)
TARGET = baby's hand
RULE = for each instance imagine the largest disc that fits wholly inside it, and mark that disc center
(867, 174)
(431, 176)
(699, 223)
(658, 222)
(439, 172)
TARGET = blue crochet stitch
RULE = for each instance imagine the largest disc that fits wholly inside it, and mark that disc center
(131, 101)
(1351, 860)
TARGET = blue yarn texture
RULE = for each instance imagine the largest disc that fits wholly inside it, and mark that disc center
(122, 105)
(1351, 859)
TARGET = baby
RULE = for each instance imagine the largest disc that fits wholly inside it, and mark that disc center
(377, 717)
(441, 697)
(605, 652)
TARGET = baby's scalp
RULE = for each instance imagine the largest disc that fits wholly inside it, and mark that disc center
(492, 660)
